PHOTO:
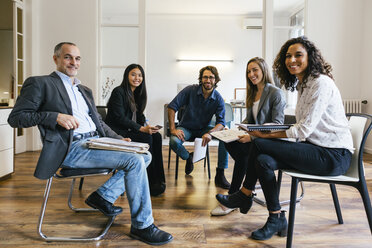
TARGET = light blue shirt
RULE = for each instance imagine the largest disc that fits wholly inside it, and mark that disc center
(80, 109)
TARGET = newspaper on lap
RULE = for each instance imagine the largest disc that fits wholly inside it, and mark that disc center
(106, 143)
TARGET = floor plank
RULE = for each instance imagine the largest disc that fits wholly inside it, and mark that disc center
(183, 211)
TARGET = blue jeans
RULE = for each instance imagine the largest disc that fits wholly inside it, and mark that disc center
(176, 145)
(131, 176)
(267, 155)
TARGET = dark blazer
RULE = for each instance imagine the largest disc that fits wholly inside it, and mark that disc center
(119, 114)
(42, 98)
(270, 108)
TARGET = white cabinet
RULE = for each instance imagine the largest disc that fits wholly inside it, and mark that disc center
(6, 144)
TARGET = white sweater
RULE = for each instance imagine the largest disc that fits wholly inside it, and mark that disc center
(321, 116)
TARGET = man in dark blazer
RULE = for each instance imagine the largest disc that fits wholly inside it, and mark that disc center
(66, 116)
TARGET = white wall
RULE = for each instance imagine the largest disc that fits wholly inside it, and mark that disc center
(170, 37)
(339, 28)
(365, 61)
(69, 20)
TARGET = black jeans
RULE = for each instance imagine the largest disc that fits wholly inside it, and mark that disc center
(268, 155)
(155, 170)
(239, 152)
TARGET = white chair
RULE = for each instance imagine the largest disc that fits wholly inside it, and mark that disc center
(353, 177)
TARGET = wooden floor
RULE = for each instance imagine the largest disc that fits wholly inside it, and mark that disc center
(182, 210)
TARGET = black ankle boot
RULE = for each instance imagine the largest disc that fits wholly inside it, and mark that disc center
(220, 180)
(236, 200)
(276, 223)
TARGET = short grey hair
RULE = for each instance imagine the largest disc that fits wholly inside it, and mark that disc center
(58, 47)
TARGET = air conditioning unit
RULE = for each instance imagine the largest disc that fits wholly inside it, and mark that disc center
(252, 23)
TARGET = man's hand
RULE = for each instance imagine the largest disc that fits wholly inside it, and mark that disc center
(206, 138)
(67, 121)
(245, 138)
(149, 129)
(179, 134)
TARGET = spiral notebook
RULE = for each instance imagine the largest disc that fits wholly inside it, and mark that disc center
(268, 127)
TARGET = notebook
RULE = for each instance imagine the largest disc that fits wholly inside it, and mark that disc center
(228, 135)
(265, 127)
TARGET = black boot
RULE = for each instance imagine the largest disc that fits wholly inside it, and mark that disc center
(189, 165)
(276, 223)
(220, 180)
(157, 189)
(236, 200)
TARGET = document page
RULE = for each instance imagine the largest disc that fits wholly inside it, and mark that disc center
(199, 150)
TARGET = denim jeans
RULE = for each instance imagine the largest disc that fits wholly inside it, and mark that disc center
(130, 177)
(176, 145)
(268, 155)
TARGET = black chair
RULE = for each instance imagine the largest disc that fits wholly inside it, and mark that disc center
(353, 177)
(72, 174)
(166, 125)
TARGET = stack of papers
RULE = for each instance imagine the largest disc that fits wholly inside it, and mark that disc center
(228, 135)
(106, 143)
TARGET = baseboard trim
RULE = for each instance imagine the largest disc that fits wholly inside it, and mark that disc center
(368, 150)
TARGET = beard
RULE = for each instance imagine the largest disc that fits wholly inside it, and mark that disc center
(207, 86)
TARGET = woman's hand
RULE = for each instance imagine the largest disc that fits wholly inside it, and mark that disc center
(244, 138)
(149, 129)
(126, 139)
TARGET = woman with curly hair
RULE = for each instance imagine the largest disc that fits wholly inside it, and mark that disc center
(324, 143)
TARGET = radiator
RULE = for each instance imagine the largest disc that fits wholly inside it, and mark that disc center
(353, 105)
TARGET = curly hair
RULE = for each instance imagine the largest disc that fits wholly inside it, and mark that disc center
(251, 88)
(214, 72)
(316, 63)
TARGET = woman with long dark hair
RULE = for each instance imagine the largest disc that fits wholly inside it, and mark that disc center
(265, 104)
(125, 116)
(325, 143)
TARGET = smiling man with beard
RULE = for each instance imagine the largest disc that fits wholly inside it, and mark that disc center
(200, 103)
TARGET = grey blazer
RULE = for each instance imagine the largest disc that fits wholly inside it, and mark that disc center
(42, 98)
(270, 108)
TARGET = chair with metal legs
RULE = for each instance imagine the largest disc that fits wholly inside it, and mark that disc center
(353, 177)
(72, 174)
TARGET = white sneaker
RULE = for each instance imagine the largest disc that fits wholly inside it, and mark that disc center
(220, 211)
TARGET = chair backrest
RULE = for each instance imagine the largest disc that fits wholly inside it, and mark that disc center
(102, 110)
(357, 124)
(229, 116)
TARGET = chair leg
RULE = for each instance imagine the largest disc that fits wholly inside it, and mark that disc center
(41, 219)
(81, 183)
(336, 203)
(208, 162)
(169, 157)
(366, 202)
(279, 183)
(292, 210)
(177, 160)
(69, 200)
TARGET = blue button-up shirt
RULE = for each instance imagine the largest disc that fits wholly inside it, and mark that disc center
(199, 111)
(80, 109)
